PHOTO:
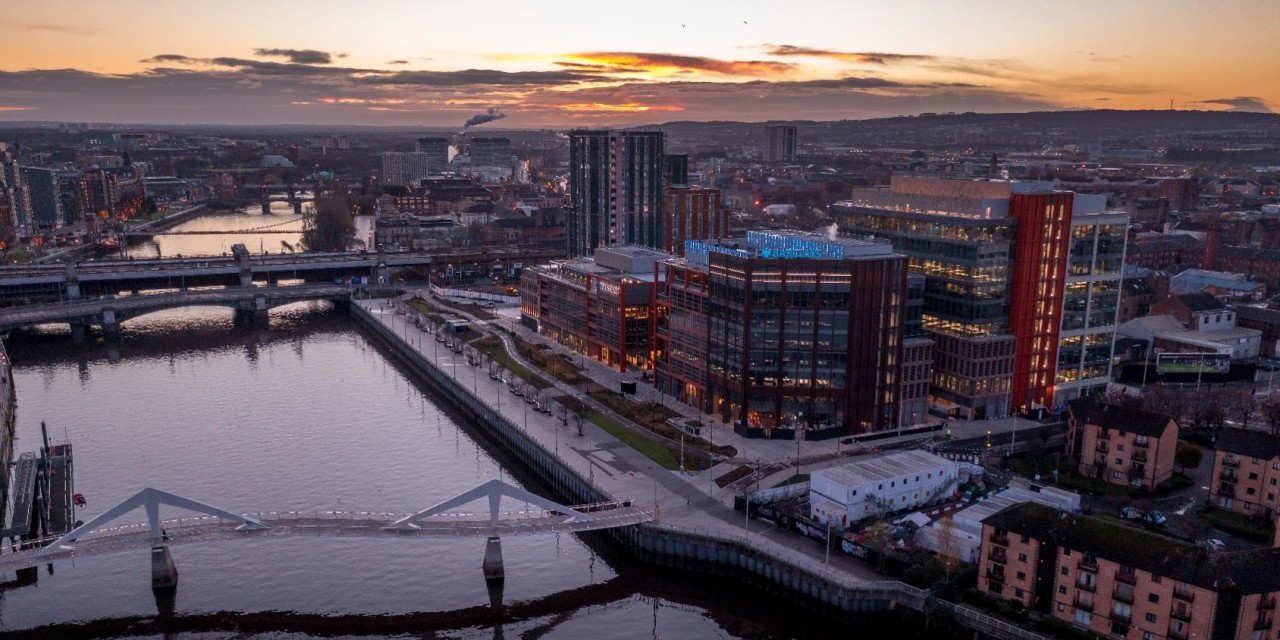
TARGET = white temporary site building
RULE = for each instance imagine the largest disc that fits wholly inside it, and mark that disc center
(872, 487)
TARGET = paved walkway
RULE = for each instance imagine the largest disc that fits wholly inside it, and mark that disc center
(686, 500)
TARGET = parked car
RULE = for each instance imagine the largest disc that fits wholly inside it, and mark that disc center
(1155, 518)
(1212, 544)
(1131, 513)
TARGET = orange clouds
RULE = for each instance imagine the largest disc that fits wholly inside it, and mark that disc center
(666, 63)
(631, 107)
(862, 57)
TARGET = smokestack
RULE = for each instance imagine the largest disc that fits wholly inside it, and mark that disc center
(489, 115)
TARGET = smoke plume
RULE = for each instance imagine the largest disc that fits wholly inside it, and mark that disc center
(489, 115)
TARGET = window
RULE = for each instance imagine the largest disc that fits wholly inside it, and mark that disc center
(1025, 538)
(1022, 557)
(1120, 447)
(1151, 617)
(1062, 588)
(1253, 475)
(1022, 575)
(1018, 593)
(1066, 553)
(1119, 629)
(1153, 598)
(1062, 607)
(1083, 617)
(1122, 610)
(1066, 571)
(995, 587)
(1119, 461)
(1148, 635)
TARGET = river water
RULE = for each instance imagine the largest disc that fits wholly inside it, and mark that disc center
(309, 415)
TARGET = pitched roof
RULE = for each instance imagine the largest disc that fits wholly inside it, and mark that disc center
(1251, 444)
(1121, 418)
(1201, 302)
(1143, 550)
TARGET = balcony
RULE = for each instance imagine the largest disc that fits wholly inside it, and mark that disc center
(995, 577)
(1181, 614)
(1267, 603)
(1090, 565)
(1261, 623)
(1174, 634)
(1230, 475)
(1231, 462)
(1125, 595)
(1141, 442)
(1002, 540)
(998, 554)
(1127, 576)
(1104, 434)
(1101, 460)
(1087, 586)
(1123, 618)
(1137, 470)
(1228, 490)
(1139, 455)
(1083, 602)
(1101, 447)
(1185, 594)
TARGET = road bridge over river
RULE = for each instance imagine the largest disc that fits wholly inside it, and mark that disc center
(42, 283)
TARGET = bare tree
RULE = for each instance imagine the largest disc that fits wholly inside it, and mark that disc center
(1271, 414)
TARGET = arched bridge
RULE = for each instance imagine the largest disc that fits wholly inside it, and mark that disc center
(250, 303)
(538, 515)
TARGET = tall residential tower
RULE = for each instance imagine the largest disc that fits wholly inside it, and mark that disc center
(615, 188)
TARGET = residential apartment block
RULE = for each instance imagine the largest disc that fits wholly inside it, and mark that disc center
(1246, 472)
(1121, 445)
(1123, 582)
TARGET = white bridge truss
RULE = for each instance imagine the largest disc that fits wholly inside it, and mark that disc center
(545, 516)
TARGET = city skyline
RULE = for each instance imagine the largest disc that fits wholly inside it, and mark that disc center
(406, 64)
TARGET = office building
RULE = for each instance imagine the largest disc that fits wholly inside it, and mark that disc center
(615, 189)
(780, 143)
(1118, 581)
(692, 214)
(675, 170)
(785, 334)
(405, 169)
(437, 153)
(996, 314)
(490, 152)
(11, 175)
(602, 307)
(46, 197)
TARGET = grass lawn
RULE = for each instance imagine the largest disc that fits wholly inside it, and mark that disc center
(733, 475)
(492, 347)
(796, 479)
(655, 451)
(1238, 524)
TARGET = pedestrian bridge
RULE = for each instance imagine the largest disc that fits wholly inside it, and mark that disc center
(444, 520)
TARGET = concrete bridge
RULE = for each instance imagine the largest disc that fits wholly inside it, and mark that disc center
(250, 303)
(27, 284)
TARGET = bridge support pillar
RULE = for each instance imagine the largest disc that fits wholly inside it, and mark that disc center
(164, 573)
(79, 332)
(266, 207)
(297, 206)
(110, 323)
(73, 282)
(492, 565)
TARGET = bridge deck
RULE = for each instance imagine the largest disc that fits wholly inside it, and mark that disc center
(326, 523)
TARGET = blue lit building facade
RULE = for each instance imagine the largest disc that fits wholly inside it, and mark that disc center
(786, 335)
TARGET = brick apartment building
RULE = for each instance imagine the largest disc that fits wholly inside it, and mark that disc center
(1246, 473)
(1123, 582)
(1121, 445)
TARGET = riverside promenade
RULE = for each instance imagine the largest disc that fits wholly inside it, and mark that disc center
(694, 528)
(683, 501)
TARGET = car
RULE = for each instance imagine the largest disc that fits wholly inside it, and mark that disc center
(1212, 544)
(1155, 518)
(1131, 513)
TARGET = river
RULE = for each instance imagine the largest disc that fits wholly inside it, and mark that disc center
(309, 415)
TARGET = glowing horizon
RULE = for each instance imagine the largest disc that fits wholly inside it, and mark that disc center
(410, 63)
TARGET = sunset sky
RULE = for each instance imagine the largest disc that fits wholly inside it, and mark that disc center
(570, 63)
